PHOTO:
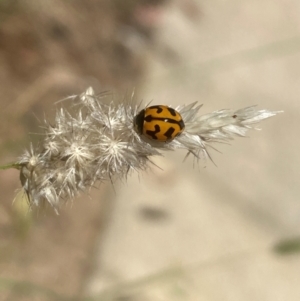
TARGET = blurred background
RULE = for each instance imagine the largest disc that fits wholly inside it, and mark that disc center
(182, 232)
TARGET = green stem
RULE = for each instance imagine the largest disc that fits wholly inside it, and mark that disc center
(10, 165)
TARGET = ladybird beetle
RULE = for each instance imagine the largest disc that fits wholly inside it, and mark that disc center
(159, 123)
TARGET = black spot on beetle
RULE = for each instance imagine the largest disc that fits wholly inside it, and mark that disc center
(158, 109)
(181, 124)
(172, 111)
(152, 134)
(169, 132)
(149, 118)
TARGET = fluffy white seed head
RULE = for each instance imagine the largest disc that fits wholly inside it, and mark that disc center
(98, 142)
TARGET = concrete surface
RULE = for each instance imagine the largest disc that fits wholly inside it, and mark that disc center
(207, 233)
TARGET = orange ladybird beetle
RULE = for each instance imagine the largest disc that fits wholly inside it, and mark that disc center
(159, 123)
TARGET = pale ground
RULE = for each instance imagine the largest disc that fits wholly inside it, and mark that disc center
(207, 233)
